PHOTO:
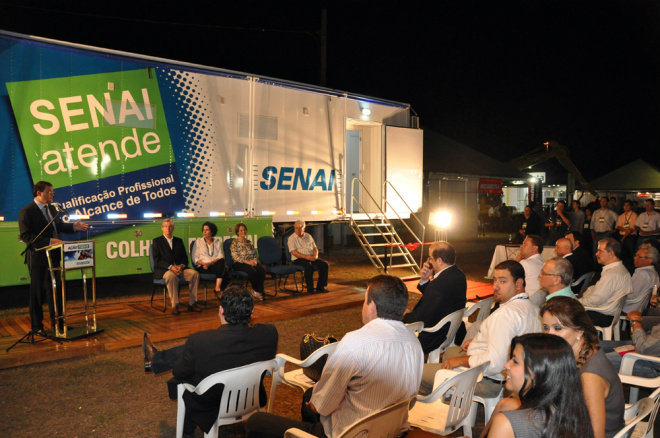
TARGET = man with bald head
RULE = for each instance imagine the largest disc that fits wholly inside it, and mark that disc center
(564, 249)
(443, 287)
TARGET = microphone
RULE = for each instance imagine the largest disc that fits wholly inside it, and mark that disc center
(60, 208)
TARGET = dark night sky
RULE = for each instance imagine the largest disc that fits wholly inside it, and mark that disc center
(501, 77)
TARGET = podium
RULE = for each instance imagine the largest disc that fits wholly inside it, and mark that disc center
(78, 255)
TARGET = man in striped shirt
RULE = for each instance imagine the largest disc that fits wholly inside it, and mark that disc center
(372, 368)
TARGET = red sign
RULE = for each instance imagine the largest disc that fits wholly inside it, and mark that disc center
(488, 185)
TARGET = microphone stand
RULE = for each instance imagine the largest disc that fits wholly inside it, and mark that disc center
(31, 334)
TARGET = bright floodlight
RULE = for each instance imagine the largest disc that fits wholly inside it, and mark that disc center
(441, 219)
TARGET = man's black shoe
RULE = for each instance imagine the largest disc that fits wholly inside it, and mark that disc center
(194, 308)
(148, 349)
(322, 290)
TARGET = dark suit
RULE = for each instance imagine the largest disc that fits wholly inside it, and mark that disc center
(212, 351)
(582, 262)
(440, 297)
(31, 221)
(164, 257)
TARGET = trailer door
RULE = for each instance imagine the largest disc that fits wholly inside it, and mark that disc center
(404, 168)
(353, 141)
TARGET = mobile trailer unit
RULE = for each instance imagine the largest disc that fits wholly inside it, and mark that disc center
(119, 133)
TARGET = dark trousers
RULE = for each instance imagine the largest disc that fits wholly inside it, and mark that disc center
(41, 289)
(218, 270)
(256, 275)
(600, 319)
(263, 425)
(321, 265)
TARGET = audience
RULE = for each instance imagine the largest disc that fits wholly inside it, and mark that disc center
(555, 277)
(443, 287)
(516, 316)
(614, 283)
(565, 317)
(531, 260)
(603, 222)
(644, 278)
(372, 368)
(542, 373)
(645, 339)
(627, 234)
(235, 343)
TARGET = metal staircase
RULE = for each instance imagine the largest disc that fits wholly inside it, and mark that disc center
(377, 235)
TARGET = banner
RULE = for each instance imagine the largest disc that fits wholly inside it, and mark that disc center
(103, 138)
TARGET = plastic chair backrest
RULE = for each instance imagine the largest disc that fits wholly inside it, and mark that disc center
(618, 307)
(641, 409)
(415, 327)
(240, 395)
(484, 307)
(269, 250)
(460, 404)
(385, 423)
(454, 320)
(584, 281)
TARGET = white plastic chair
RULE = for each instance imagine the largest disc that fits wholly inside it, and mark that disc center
(626, 374)
(489, 406)
(415, 327)
(617, 306)
(644, 429)
(584, 281)
(296, 378)
(432, 415)
(640, 303)
(483, 306)
(386, 423)
(636, 413)
(454, 320)
(240, 396)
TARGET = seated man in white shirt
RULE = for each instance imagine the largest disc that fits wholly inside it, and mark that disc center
(614, 282)
(516, 316)
(305, 253)
(372, 368)
(531, 260)
(644, 278)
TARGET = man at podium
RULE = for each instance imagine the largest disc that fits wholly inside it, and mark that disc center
(40, 225)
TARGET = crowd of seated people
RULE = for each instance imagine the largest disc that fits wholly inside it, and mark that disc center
(556, 376)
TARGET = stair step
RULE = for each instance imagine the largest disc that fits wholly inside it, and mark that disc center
(386, 233)
(396, 254)
(369, 224)
(408, 265)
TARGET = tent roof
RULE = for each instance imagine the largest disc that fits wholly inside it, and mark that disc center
(636, 176)
(444, 155)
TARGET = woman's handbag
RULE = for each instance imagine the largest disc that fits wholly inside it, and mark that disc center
(309, 344)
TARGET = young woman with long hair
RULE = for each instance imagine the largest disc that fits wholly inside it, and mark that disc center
(603, 392)
(542, 373)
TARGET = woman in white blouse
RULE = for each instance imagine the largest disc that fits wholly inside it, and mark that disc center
(207, 254)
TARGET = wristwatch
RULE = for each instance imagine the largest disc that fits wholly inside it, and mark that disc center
(632, 325)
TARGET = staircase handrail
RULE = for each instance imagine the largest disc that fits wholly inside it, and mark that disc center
(387, 203)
